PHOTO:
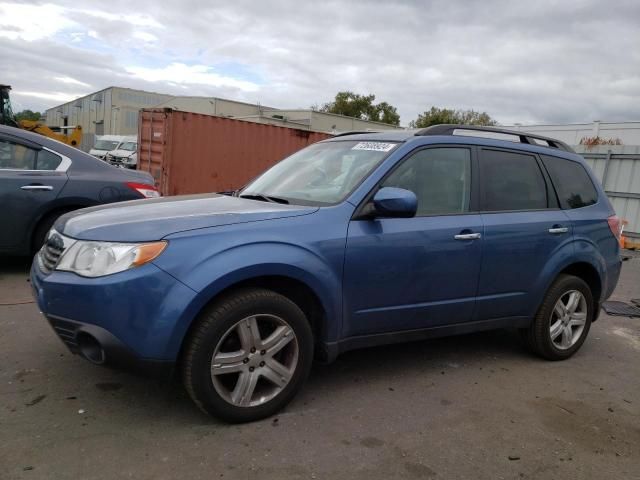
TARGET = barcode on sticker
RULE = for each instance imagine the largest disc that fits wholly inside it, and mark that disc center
(374, 146)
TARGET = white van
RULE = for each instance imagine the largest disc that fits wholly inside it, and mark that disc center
(106, 143)
(126, 155)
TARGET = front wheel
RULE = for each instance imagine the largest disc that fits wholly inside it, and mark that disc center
(563, 320)
(248, 355)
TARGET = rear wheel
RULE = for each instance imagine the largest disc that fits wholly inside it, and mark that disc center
(248, 355)
(563, 320)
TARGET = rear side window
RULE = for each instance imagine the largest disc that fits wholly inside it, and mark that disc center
(47, 160)
(511, 181)
(572, 182)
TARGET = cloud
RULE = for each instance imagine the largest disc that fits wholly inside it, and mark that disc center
(54, 96)
(144, 36)
(72, 81)
(181, 74)
(543, 62)
(24, 22)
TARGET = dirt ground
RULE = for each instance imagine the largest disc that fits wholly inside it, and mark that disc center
(476, 406)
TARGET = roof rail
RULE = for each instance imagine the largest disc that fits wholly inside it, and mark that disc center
(523, 137)
(354, 132)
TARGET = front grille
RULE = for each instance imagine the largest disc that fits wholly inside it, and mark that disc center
(50, 256)
(51, 251)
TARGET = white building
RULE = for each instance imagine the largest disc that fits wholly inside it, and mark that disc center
(112, 111)
(308, 119)
(115, 110)
(627, 132)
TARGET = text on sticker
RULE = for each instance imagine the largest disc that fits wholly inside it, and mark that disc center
(374, 146)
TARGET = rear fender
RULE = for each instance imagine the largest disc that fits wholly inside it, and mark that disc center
(575, 252)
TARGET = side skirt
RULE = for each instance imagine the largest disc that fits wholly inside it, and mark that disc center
(331, 350)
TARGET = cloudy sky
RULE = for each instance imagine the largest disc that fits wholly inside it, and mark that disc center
(527, 62)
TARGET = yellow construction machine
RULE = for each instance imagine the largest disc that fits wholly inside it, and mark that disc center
(69, 135)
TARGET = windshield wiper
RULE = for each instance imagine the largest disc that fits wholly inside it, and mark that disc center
(265, 198)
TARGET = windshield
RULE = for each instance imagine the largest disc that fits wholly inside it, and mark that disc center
(105, 144)
(128, 146)
(324, 173)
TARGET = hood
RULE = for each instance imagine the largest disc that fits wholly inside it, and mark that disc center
(121, 153)
(148, 220)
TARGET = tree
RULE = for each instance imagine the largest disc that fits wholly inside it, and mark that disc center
(436, 116)
(29, 115)
(361, 106)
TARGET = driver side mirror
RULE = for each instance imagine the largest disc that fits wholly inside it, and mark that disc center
(392, 202)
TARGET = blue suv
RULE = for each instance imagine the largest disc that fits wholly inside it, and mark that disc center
(360, 240)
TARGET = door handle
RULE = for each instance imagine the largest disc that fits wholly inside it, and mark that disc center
(467, 236)
(555, 230)
(36, 187)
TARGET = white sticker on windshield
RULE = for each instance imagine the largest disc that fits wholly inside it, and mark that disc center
(374, 146)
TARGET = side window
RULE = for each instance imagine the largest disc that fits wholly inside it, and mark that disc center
(572, 182)
(511, 181)
(47, 160)
(14, 156)
(440, 178)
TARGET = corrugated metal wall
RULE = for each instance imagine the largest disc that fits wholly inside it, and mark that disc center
(195, 153)
(620, 176)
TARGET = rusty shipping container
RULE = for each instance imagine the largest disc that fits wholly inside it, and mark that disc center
(195, 153)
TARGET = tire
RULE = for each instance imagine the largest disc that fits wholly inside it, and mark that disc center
(43, 227)
(568, 333)
(251, 382)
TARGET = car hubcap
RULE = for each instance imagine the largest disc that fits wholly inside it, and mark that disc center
(255, 360)
(568, 319)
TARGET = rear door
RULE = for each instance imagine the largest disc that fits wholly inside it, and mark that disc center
(30, 178)
(523, 228)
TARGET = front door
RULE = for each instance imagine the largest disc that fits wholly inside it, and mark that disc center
(412, 273)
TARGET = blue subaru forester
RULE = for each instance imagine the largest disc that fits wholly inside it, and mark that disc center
(360, 240)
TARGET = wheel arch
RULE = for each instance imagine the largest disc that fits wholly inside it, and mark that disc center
(579, 258)
(589, 274)
(314, 303)
(588, 271)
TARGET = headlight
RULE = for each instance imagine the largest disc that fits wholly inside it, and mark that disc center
(96, 259)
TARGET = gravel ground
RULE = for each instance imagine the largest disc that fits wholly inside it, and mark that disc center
(475, 406)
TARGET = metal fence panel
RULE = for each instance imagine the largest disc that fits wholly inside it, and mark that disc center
(620, 176)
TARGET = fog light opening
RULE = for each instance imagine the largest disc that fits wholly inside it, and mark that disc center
(90, 348)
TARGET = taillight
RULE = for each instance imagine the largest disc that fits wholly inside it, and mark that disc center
(147, 191)
(615, 225)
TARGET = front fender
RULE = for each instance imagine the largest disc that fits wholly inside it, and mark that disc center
(214, 274)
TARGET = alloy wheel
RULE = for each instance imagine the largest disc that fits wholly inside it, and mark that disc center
(254, 360)
(568, 319)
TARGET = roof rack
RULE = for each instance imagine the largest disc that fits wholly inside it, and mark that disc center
(523, 137)
(355, 132)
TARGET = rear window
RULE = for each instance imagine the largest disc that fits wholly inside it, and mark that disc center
(572, 182)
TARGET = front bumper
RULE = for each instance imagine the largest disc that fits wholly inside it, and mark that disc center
(133, 320)
(101, 347)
